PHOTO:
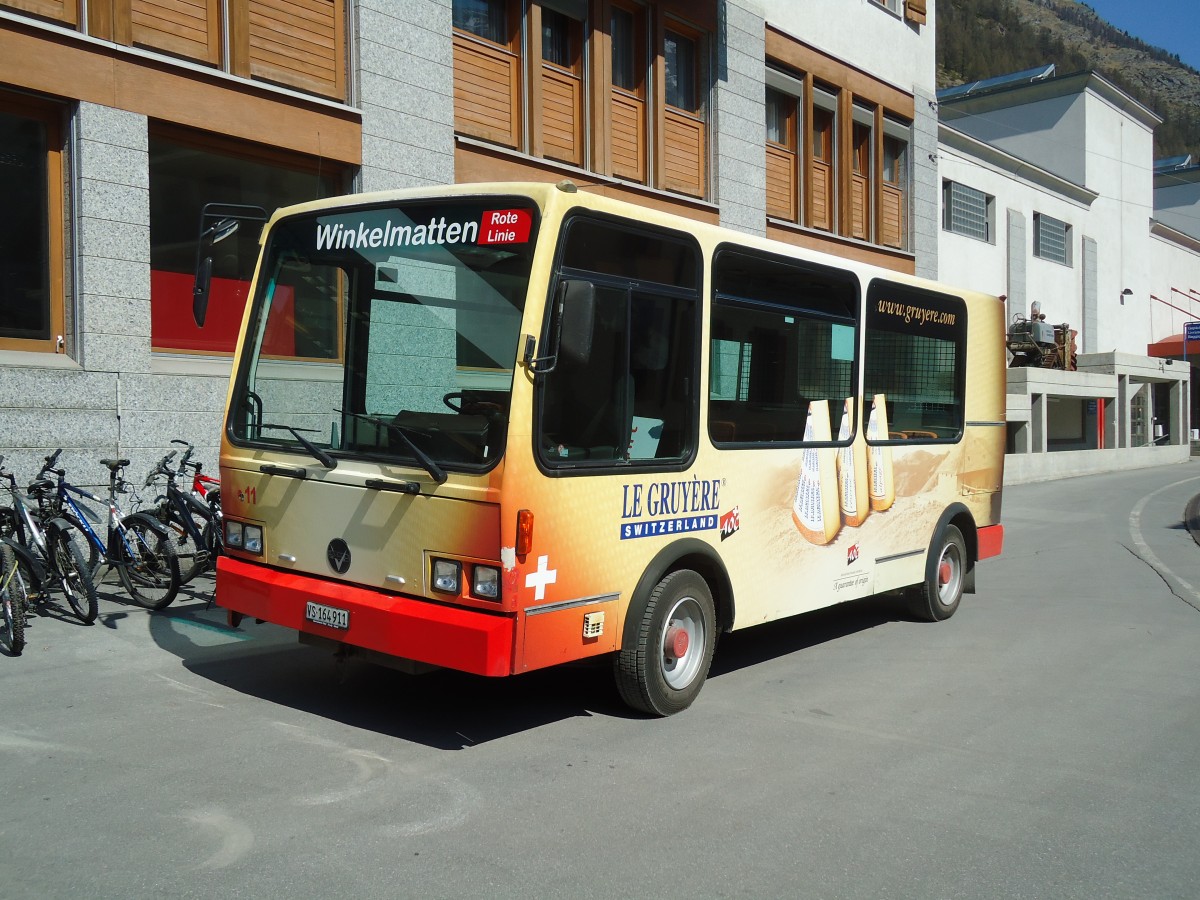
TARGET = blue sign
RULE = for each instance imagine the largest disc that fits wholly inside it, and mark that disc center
(1191, 331)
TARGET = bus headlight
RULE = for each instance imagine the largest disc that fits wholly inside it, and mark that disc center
(447, 576)
(240, 536)
(253, 542)
(485, 582)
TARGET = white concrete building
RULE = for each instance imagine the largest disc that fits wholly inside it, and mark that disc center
(1048, 196)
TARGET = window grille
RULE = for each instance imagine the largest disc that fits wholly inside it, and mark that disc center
(1051, 239)
(967, 211)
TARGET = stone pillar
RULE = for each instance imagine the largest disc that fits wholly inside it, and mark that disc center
(926, 184)
(1016, 263)
(404, 75)
(1091, 296)
(1037, 422)
(738, 125)
(1122, 417)
(112, 162)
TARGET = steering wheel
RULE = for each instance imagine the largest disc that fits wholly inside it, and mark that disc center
(470, 406)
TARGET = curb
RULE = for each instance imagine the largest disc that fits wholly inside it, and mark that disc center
(1191, 517)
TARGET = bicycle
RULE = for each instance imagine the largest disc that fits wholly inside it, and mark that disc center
(207, 489)
(14, 599)
(137, 545)
(192, 523)
(49, 539)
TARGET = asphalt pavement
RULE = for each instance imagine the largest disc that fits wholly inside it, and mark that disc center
(1041, 743)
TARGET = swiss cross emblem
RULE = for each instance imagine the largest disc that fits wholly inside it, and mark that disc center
(541, 578)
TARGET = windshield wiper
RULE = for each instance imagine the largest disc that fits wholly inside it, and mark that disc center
(316, 452)
(435, 471)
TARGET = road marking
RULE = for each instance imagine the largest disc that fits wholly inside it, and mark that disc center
(1149, 556)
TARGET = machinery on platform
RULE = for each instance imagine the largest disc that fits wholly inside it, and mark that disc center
(1032, 341)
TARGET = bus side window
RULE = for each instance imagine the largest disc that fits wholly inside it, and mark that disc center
(631, 400)
(916, 359)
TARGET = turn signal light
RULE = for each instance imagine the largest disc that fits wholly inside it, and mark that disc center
(524, 531)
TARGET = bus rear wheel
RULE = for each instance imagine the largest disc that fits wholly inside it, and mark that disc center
(938, 596)
(663, 668)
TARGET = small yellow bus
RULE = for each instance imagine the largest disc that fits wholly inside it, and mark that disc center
(499, 427)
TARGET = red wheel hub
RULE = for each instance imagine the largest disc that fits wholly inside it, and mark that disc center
(676, 643)
(944, 572)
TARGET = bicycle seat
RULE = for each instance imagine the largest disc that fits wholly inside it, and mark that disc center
(114, 464)
(40, 486)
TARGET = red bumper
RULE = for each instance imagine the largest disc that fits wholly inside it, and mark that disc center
(991, 541)
(462, 639)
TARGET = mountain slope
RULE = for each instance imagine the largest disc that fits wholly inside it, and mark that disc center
(982, 38)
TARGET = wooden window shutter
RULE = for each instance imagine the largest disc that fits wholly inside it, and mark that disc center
(188, 28)
(559, 94)
(298, 43)
(914, 11)
(891, 216)
(627, 94)
(59, 10)
(487, 80)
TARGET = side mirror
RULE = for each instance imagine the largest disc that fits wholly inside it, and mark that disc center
(217, 222)
(574, 318)
(200, 291)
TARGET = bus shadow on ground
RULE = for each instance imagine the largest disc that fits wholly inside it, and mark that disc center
(450, 710)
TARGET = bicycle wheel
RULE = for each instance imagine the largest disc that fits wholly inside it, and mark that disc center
(193, 558)
(13, 600)
(151, 577)
(74, 576)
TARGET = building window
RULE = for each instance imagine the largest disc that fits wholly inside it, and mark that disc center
(861, 172)
(679, 54)
(31, 230)
(893, 198)
(893, 5)
(645, 123)
(822, 180)
(805, 182)
(188, 170)
(685, 155)
(487, 19)
(783, 159)
(1051, 239)
(968, 211)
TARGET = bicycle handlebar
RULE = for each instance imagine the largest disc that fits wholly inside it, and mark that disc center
(51, 460)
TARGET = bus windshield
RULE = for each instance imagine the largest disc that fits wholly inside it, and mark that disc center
(388, 333)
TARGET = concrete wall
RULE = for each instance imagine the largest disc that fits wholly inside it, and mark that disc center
(857, 26)
(1001, 266)
(1033, 467)
(1049, 133)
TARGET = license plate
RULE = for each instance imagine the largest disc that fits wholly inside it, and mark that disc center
(329, 616)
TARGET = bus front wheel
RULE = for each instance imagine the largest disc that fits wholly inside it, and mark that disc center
(661, 670)
(945, 576)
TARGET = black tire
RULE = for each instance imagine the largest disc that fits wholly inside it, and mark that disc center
(92, 556)
(151, 577)
(193, 558)
(946, 568)
(13, 599)
(663, 667)
(74, 576)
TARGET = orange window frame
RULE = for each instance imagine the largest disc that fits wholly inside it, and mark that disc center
(231, 147)
(50, 116)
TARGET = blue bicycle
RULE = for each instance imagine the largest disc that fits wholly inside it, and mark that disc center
(138, 546)
(46, 543)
